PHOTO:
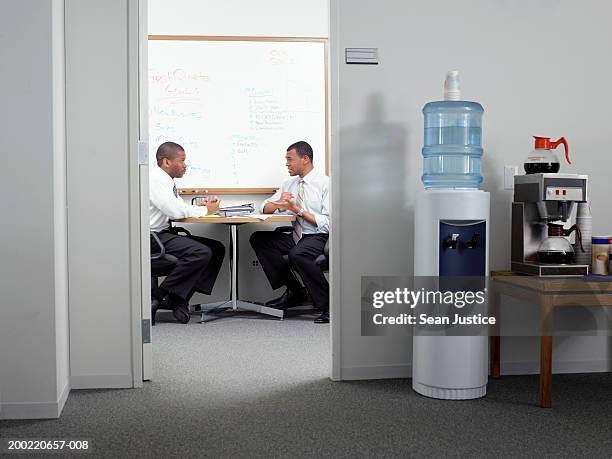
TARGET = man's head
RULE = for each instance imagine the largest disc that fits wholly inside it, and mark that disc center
(299, 158)
(171, 158)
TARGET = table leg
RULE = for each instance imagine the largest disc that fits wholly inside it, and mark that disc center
(235, 302)
(219, 306)
(495, 342)
(546, 371)
(233, 262)
(495, 356)
(211, 308)
(546, 341)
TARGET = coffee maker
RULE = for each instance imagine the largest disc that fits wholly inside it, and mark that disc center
(543, 217)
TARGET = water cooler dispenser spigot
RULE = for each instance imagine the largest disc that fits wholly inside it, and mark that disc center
(473, 242)
(451, 242)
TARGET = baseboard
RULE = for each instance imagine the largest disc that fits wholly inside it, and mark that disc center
(62, 400)
(376, 372)
(36, 410)
(101, 382)
(566, 366)
(507, 368)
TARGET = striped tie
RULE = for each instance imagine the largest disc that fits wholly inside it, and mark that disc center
(298, 224)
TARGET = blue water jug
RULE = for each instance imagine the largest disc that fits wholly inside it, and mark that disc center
(452, 148)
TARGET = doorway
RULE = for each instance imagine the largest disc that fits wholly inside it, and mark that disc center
(157, 126)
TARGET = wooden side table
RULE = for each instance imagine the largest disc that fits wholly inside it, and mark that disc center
(548, 294)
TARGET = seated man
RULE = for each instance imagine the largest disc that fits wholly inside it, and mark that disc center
(199, 258)
(306, 196)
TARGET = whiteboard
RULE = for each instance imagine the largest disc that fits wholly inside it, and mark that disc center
(235, 106)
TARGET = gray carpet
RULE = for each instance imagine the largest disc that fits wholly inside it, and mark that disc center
(253, 387)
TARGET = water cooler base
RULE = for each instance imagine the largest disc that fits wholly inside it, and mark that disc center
(450, 367)
(449, 394)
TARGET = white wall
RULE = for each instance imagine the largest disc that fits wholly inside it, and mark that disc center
(100, 207)
(33, 317)
(268, 18)
(537, 70)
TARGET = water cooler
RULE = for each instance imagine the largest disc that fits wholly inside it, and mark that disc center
(451, 239)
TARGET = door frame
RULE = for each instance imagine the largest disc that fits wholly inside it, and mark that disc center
(139, 192)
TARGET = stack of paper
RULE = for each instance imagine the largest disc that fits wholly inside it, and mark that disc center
(240, 210)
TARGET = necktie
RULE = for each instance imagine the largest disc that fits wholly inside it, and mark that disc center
(299, 221)
(175, 191)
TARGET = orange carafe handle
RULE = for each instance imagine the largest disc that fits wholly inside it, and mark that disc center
(564, 142)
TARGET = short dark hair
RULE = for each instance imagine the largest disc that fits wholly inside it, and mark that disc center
(168, 150)
(302, 149)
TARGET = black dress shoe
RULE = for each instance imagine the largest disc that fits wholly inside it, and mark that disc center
(323, 318)
(288, 299)
(181, 313)
(280, 300)
(163, 301)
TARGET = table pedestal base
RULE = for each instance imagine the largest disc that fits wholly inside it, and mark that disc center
(220, 306)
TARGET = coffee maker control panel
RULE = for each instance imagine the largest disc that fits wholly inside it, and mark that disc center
(564, 194)
(550, 187)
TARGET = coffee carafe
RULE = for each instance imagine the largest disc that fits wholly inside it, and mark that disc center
(543, 159)
(556, 248)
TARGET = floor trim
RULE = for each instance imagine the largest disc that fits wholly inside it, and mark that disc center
(507, 368)
(101, 381)
(63, 399)
(566, 366)
(376, 372)
(35, 410)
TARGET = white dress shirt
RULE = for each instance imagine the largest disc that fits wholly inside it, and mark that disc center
(316, 199)
(164, 204)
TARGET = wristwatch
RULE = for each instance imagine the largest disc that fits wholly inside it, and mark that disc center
(300, 213)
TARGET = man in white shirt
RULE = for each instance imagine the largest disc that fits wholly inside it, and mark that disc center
(305, 195)
(199, 258)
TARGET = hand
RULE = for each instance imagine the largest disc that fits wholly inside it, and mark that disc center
(212, 205)
(290, 205)
(202, 201)
(284, 204)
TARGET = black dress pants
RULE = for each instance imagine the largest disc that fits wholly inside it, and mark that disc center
(270, 246)
(199, 263)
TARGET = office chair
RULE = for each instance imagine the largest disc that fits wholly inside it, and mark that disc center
(162, 264)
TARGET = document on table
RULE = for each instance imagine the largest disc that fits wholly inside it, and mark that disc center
(262, 217)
